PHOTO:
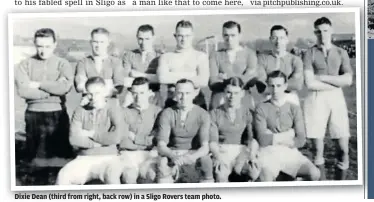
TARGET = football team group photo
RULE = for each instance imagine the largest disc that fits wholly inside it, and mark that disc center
(186, 99)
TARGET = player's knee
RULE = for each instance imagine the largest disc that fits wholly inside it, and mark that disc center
(130, 175)
(112, 173)
(206, 164)
(64, 177)
(344, 146)
(319, 160)
(315, 174)
(222, 176)
(112, 177)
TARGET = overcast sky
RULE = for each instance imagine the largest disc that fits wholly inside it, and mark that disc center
(253, 26)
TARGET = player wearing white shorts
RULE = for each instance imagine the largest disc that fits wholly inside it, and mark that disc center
(230, 122)
(95, 130)
(280, 59)
(137, 140)
(183, 132)
(280, 131)
(327, 69)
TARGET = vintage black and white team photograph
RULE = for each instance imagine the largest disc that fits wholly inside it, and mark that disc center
(199, 98)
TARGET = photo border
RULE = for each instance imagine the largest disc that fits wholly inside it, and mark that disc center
(359, 85)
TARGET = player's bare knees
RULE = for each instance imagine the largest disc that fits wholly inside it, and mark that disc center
(64, 177)
(221, 176)
(205, 163)
(344, 149)
(315, 174)
(130, 175)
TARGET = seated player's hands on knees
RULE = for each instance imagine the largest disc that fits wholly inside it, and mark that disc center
(289, 140)
(222, 76)
(179, 161)
(128, 81)
(131, 136)
(34, 84)
(62, 79)
(129, 99)
(96, 144)
(88, 133)
(291, 132)
(268, 131)
(85, 100)
(134, 74)
(218, 160)
(188, 159)
(253, 169)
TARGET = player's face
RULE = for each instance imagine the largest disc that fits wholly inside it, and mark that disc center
(234, 95)
(277, 87)
(97, 93)
(185, 93)
(44, 47)
(184, 37)
(100, 44)
(141, 94)
(323, 33)
(231, 36)
(145, 40)
(279, 39)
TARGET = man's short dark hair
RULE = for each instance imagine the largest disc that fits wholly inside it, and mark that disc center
(146, 28)
(232, 24)
(140, 81)
(184, 24)
(99, 30)
(321, 21)
(185, 81)
(45, 32)
(278, 27)
(234, 81)
(277, 74)
(94, 80)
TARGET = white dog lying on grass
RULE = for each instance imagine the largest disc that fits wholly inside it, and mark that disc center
(265, 163)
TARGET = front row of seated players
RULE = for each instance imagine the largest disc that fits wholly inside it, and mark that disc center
(117, 144)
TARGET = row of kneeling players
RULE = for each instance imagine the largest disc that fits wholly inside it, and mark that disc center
(145, 142)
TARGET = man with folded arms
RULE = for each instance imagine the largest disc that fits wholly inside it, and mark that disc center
(95, 131)
(137, 139)
(280, 131)
(230, 122)
(99, 64)
(280, 59)
(183, 131)
(327, 70)
(143, 62)
(184, 63)
(43, 80)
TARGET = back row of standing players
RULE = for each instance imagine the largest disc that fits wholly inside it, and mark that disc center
(161, 96)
